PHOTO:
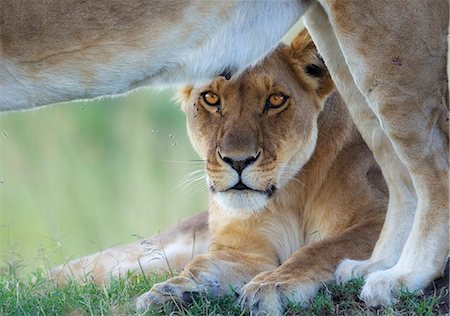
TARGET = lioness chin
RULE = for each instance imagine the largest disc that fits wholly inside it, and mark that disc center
(293, 187)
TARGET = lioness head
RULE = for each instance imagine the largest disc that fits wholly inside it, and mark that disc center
(256, 131)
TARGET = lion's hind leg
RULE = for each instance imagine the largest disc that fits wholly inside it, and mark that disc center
(162, 254)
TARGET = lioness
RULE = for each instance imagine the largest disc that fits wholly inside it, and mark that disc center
(388, 59)
(293, 188)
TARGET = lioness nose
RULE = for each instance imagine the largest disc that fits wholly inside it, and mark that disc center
(239, 165)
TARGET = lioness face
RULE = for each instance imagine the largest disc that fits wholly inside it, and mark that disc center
(256, 131)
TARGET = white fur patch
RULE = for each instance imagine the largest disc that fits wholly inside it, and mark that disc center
(245, 201)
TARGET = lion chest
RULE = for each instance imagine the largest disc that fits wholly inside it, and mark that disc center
(290, 229)
(284, 231)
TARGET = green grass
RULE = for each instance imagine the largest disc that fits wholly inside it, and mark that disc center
(36, 295)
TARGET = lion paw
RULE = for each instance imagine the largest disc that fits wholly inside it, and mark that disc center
(269, 294)
(179, 289)
(383, 287)
(349, 269)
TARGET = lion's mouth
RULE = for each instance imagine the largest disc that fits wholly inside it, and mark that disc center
(243, 197)
(240, 186)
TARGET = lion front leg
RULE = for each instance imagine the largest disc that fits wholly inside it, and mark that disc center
(201, 276)
(303, 274)
(237, 253)
(213, 273)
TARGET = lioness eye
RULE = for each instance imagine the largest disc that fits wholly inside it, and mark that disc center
(211, 98)
(276, 100)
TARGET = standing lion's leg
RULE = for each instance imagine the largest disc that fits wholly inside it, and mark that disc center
(396, 52)
(402, 201)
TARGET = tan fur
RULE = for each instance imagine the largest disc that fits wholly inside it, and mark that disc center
(330, 208)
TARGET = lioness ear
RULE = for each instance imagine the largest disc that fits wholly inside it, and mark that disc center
(182, 96)
(309, 63)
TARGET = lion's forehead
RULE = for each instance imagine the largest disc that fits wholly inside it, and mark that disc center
(242, 116)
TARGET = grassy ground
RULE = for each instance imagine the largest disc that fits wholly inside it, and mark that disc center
(36, 295)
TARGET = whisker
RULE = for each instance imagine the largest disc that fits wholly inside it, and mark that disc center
(293, 179)
(193, 189)
(193, 173)
(183, 186)
(187, 190)
(197, 190)
(189, 179)
(185, 161)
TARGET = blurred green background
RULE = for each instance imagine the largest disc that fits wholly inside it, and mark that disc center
(79, 177)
